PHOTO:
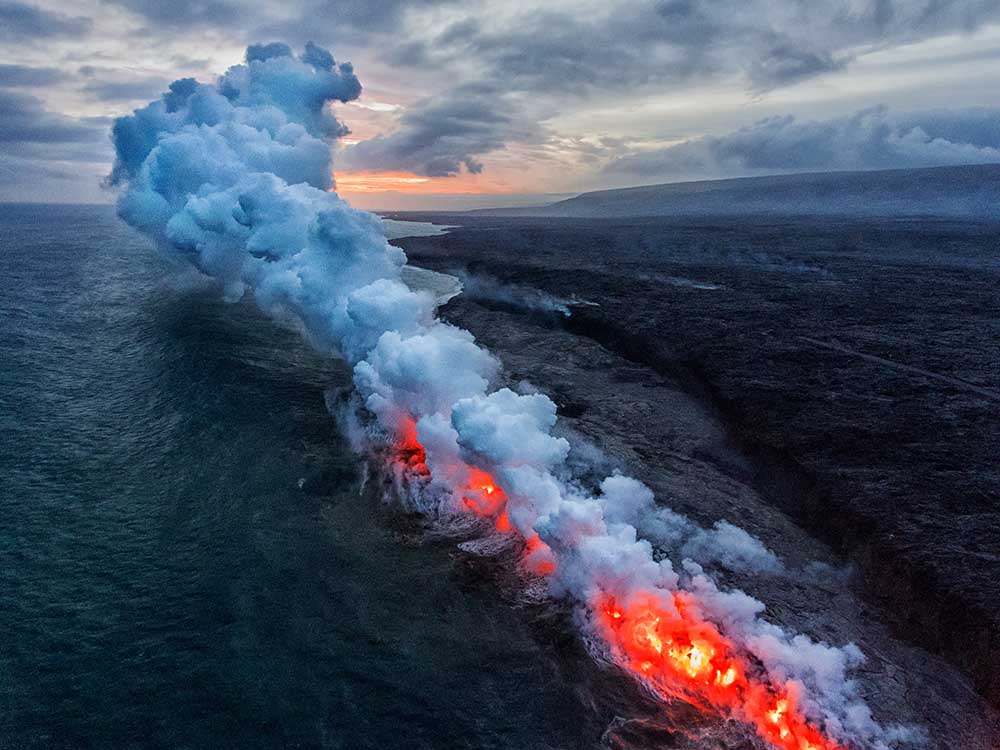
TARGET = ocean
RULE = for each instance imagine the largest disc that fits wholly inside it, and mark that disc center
(189, 557)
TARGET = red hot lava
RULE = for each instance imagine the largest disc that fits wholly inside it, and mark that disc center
(483, 497)
(669, 648)
(680, 655)
(480, 496)
(409, 452)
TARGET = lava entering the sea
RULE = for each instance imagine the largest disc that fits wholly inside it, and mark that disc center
(668, 648)
(681, 656)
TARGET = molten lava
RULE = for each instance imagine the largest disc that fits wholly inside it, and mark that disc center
(668, 647)
(681, 656)
(538, 557)
(482, 496)
(503, 522)
(409, 451)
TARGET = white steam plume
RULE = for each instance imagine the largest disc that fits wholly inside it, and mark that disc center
(235, 176)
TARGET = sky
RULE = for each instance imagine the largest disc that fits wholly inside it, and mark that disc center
(469, 104)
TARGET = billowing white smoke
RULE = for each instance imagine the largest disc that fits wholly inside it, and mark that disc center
(235, 176)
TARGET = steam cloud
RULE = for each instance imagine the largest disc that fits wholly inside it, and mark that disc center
(235, 177)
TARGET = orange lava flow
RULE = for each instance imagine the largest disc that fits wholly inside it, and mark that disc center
(409, 451)
(680, 655)
(480, 496)
(669, 648)
(483, 497)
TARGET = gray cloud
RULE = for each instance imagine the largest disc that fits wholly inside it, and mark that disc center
(35, 179)
(127, 90)
(871, 139)
(655, 43)
(555, 54)
(21, 22)
(409, 54)
(563, 51)
(784, 64)
(368, 15)
(188, 13)
(47, 156)
(504, 70)
(297, 21)
(25, 75)
(438, 136)
(14, 170)
(120, 84)
(24, 119)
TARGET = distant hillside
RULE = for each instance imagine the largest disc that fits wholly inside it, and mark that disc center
(948, 192)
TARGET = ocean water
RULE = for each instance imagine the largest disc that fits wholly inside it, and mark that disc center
(187, 556)
(395, 229)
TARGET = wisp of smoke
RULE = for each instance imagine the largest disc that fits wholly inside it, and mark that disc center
(482, 287)
(236, 177)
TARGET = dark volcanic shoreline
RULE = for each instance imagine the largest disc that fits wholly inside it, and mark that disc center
(809, 339)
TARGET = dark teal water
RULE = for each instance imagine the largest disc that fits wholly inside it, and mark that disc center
(186, 560)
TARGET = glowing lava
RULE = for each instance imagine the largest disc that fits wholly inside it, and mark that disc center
(661, 642)
(482, 496)
(409, 452)
(680, 656)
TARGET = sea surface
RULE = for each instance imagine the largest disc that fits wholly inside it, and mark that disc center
(189, 557)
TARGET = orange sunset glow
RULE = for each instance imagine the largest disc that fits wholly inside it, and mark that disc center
(408, 182)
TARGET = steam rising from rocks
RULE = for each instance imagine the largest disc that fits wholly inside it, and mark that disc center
(235, 177)
(485, 288)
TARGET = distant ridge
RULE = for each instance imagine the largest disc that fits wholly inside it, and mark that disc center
(948, 192)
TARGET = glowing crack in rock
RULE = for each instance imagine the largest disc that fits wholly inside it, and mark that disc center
(234, 177)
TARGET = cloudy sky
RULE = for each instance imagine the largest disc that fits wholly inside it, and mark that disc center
(494, 103)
